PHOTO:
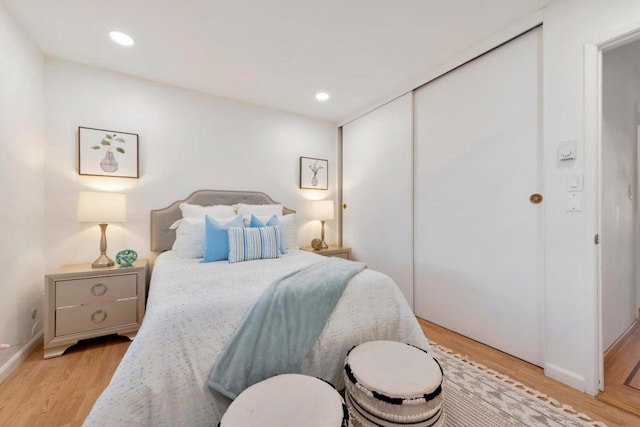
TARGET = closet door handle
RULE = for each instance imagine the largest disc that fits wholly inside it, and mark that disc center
(344, 206)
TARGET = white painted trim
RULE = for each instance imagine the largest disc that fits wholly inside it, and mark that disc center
(594, 380)
(15, 360)
(622, 336)
(486, 45)
(592, 120)
(413, 197)
(564, 376)
(617, 37)
(637, 214)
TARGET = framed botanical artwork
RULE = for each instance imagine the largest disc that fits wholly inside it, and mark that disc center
(314, 173)
(104, 152)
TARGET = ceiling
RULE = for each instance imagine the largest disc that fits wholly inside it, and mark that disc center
(273, 53)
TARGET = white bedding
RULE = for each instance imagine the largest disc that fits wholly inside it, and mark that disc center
(193, 310)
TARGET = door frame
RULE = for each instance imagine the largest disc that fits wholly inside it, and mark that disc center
(593, 179)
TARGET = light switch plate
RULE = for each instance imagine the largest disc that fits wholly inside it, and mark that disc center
(574, 201)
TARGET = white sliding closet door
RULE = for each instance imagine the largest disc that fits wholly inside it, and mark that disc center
(377, 180)
(478, 259)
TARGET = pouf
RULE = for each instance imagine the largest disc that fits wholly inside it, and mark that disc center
(287, 400)
(391, 384)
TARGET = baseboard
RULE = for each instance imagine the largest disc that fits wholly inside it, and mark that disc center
(564, 376)
(619, 340)
(12, 364)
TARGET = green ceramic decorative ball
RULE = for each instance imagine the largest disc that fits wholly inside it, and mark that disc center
(126, 258)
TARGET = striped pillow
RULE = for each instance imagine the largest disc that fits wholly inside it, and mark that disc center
(246, 244)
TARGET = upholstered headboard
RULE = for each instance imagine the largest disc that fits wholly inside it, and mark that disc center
(161, 219)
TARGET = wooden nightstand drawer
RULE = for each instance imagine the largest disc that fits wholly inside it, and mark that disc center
(95, 290)
(95, 316)
(84, 302)
(344, 255)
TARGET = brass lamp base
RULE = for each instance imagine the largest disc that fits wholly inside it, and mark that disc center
(318, 244)
(102, 262)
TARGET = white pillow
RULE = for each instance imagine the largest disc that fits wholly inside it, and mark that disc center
(215, 211)
(181, 220)
(260, 210)
(288, 228)
(190, 237)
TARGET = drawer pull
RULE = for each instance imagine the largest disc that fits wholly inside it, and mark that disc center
(99, 289)
(99, 316)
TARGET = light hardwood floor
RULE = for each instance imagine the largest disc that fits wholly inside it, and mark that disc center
(619, 363)
(530, 375)
(60, 391)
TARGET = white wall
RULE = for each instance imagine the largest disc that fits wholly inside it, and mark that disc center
(188, 141)
(621, 94)
(570, 307)
(21, 188)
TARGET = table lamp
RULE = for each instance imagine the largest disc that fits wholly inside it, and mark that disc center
(103, 208)
(323, 210)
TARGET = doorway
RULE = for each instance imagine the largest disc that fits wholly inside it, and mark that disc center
(618, 209)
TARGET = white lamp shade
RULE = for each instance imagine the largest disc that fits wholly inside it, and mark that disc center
(323, 210)
(103, 208)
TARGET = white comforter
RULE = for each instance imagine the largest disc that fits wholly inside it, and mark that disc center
(193, 310)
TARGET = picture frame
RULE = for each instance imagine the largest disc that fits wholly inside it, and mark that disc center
(314, 173)
(103, 152)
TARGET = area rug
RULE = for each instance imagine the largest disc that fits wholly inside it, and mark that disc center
(478, 396)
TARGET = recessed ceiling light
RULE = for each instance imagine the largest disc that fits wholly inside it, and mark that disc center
(322, 96)
(121, 38)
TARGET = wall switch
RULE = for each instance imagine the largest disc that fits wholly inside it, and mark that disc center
(574, 181)
(567, 151)
(574, 201)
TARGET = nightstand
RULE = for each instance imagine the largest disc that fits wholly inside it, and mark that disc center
(82, 302)
(337, 251)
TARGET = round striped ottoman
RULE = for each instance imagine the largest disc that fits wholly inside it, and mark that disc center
(393, 384)
(288, 400)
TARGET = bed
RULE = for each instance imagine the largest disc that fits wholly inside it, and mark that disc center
(194, 308)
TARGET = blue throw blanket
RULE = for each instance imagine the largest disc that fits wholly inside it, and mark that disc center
(281, 328)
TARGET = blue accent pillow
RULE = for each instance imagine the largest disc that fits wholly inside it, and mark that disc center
(216, 243)
(246, 244)
(273, 221)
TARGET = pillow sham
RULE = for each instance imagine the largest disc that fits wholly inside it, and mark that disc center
(288, 228)
(216, 243)
(176, 224)
(190, 237)
(246, 244)
(264, 210)
(214, 211)
(189, 241)
(255, 222)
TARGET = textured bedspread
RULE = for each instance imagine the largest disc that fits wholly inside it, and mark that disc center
(192, 312)
(282, 326)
